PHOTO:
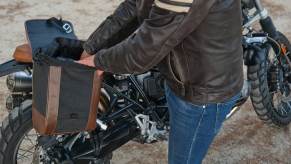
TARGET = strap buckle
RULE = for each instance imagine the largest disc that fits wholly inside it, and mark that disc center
(67, 28)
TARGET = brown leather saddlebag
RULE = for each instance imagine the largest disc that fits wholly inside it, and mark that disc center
(65, 93)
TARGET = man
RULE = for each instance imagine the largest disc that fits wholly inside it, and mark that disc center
(196, 45)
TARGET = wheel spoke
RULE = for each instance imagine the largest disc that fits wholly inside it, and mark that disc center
(26, 149)
(288, 103)
(22, 156)
(25, 152)
(283, 110)
(29, 139)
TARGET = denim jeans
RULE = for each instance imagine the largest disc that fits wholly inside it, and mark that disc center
(193, 127)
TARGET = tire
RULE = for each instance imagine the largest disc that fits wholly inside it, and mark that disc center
(261, 97)
(13, 129)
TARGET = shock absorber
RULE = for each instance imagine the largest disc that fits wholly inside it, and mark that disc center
(266, 21)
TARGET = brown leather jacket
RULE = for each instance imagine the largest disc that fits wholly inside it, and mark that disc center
(196, 45)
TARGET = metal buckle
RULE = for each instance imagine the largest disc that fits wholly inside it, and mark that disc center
(67, 27)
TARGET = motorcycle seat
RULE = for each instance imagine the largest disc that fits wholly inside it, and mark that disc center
(23, 54)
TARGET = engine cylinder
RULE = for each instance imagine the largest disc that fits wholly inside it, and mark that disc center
(19, 82)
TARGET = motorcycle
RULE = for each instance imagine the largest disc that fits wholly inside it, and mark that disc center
(134, 108)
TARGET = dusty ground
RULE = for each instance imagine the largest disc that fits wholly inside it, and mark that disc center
(243, 139)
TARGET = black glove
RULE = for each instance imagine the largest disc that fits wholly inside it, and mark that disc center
(65, 48)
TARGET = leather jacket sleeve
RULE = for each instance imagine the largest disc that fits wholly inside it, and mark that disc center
(114, 29)
(168, 24)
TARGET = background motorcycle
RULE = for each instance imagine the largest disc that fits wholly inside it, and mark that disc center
(133, 107)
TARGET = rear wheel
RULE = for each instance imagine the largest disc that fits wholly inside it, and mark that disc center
(270, 93)
(18, 140)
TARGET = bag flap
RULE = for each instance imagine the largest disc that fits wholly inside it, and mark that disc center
(42, 58)
(41, 32)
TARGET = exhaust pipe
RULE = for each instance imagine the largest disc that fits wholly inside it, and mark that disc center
(19, 82)
(112, 139)
(116, 137)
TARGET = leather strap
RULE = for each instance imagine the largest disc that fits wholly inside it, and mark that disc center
(38, 121)
(53, 96)
(95, 97)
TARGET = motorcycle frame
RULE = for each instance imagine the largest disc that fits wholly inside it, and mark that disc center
(261, 15)
(134, 107)
(147, 108)
(128, 113)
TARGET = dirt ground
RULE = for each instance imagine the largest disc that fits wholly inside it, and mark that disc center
(243, 139)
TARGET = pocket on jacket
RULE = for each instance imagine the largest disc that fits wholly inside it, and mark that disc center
(173, 72)
(167, 71)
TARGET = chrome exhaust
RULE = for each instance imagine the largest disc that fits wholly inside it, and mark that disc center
(19, 82)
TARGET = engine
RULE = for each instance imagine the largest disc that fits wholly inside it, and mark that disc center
(151, 83)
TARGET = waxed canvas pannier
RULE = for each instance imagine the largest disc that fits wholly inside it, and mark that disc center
(65, 93)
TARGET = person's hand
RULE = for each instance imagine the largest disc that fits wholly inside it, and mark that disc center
(100, 72)
(89, 61)
(84, 55)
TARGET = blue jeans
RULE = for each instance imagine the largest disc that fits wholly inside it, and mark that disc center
(193, 127)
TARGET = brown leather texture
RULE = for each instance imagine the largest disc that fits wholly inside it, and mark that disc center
(39, 121)
(53, 96)
(47, 125)
(195, 45)
(95, 97)
(23, 54)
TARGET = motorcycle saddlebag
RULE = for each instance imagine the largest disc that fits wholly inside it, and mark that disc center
(65, 93)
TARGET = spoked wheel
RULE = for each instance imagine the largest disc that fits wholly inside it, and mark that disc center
(282, 104)
(270, 83)
(27, 149)
(18, 140)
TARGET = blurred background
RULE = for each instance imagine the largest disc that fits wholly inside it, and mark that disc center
(243, 139)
